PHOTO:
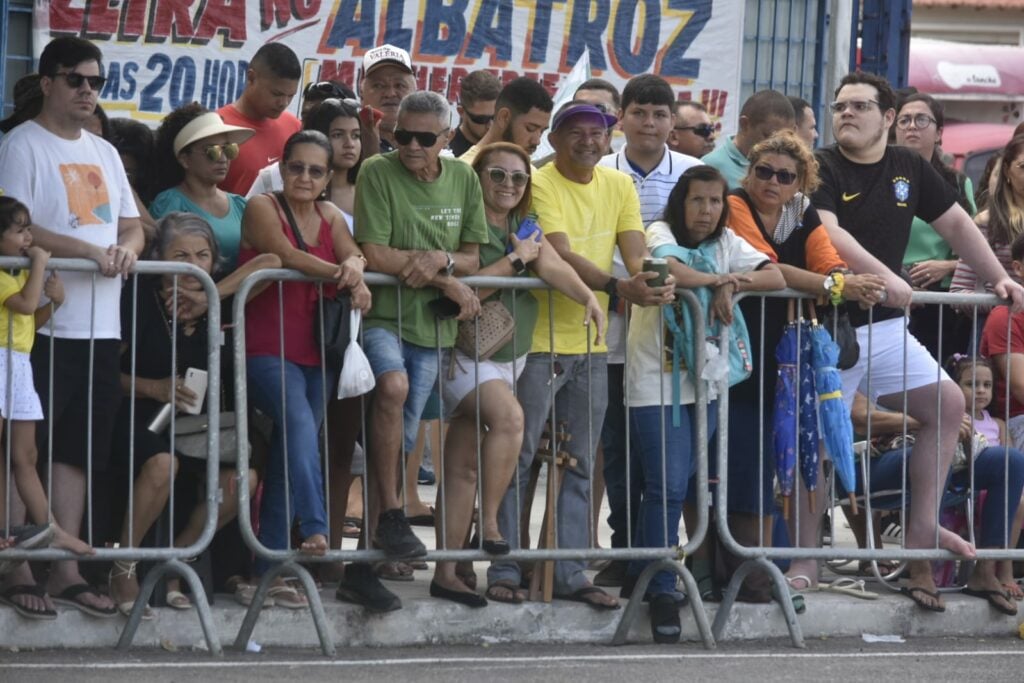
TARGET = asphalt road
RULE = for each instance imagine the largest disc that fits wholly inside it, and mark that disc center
(929, 659)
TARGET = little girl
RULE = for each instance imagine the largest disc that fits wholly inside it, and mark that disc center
(20, 315)
(974, 377)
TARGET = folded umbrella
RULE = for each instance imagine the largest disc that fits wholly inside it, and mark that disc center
(836, 427)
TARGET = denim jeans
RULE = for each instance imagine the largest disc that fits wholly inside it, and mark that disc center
(297, 418)
(623, 489)
(996, 470)
(661, 505)
(579, 399)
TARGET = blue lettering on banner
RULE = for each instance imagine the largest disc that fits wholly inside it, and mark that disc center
(674, 64)
(453, 18)
(183, 82)
(541, 30)
(128, 76)
(150, 101)
(394, 34)
(346, 27)
(622, 35)
(487, 34)
(585, 33)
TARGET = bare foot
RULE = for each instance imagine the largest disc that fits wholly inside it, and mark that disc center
(65, 541)
(955, 543)
(314, 545)
(6, 543)
(21, 575)
(983, 578)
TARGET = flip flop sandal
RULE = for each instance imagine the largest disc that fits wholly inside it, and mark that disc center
(178, 600)
(287, 597)
(581, 596)
(852, 587)
(1013, 591)
(912, 593)
(810, 586)
(518, 594)
(245, 592)
(7, 598)
(423, 520)
(394, 571)
(69, 598)
(990, 597)
(353, 528)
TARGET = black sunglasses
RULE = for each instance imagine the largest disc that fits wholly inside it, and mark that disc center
(704, 130)
(425, 138)
(766, 173)
(75, 80)
(478, 119)
(327, 88)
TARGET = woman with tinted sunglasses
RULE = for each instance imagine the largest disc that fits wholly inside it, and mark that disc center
(504, 171)
(772, 212)
(194, 149)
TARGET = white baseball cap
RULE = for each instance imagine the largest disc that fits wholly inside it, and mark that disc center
(385, 55)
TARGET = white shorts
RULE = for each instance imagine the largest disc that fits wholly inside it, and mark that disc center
(456, 387)
(24, 399)
(892, 370)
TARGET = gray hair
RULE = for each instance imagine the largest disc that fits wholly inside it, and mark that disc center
(178, 223)
(426, 102)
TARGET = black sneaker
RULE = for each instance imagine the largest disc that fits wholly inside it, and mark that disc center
(395, 537)
(360, 586)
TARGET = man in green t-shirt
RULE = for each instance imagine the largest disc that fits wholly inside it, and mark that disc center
(420, 218)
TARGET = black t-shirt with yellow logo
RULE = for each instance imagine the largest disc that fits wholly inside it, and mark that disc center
(876, 203)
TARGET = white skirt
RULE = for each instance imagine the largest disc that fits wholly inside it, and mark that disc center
(25, 403)
(465, 380)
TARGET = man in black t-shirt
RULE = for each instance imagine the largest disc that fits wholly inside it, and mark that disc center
(869, 195)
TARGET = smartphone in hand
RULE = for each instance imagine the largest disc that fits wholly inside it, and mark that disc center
(196, 380)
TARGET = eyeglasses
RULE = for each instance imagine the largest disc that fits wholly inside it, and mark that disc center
(75, 80)
(498, 176)
(424, 138)
(858, 106)
(228, 150)
(704, 130)
(766, 173)
(920, 121)
(297, 168)
(478, 119)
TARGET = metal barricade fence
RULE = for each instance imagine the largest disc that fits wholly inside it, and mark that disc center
(171, 560)
(761, 555)
(289, 560)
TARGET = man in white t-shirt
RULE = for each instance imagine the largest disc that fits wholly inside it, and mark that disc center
(82, 207)
(646, 119)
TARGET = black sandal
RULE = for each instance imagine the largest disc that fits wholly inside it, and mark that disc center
(665, 625)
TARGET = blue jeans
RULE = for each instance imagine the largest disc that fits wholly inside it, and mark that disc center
(580, 402)
(996, 470)
(623, 490)
(661, 505)
(387, 354)
(297, 418)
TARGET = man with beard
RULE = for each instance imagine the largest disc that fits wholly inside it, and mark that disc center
(521, 116)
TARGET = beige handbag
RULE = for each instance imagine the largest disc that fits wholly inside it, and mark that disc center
(491, 330)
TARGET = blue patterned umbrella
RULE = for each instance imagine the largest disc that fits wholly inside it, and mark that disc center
(795, 404)
(835, 418)
(808, 455)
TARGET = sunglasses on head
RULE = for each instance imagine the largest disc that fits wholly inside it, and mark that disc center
(424, 138)
(766, 173)
(704, 130)
(478, 119)
(75, 80)
(297, 168)
(326, 88)
(228, 150)
(498, 176)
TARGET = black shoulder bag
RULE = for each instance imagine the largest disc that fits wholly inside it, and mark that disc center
(333, 315)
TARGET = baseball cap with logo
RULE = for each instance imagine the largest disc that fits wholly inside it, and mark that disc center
(386, 55)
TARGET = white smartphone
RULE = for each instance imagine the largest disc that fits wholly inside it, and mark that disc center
(196, 381)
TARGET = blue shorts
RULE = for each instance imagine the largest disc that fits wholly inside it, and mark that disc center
(387, 353)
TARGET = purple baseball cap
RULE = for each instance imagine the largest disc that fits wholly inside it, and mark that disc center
(569, 111)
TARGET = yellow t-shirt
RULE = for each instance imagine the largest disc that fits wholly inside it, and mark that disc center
(24, 332)
(591, 215)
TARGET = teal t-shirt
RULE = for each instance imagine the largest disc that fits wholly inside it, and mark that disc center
(729, 161)
(227, 229)
(925, 244)
(395, 209)
(521, 303)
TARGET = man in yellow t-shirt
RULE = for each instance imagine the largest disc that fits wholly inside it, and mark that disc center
(585, 211)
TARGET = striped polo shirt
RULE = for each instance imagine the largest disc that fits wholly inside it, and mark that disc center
(655, 187)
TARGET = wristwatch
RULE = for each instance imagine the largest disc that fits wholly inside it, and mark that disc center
(517, 263)
(449, 266)
(610, 287)
(830, 282)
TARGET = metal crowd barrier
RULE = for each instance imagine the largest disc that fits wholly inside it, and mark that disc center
(289, 561)
(763, 556)
(172, 560)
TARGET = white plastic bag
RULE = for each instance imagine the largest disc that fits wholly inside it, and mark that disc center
(356, 375)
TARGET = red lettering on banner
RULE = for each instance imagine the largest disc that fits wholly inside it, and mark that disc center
(305, 9)
(133, 19)
(171, 15)
(274, 11)
(331, 70)
(64, 18)
(100, 21)
(222, 16)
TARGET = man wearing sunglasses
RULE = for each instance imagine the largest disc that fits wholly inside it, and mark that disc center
(522, 114)
(76, 190)
(870, 193)
(693, 132)
(762, 114)
(478, 94)
(419, 217)
(271, 83)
